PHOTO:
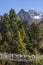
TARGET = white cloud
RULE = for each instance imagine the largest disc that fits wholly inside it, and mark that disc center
(36, 17)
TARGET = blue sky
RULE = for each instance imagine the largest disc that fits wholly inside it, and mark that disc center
(6, 5)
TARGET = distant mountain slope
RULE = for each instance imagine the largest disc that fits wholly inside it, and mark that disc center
(31, 16)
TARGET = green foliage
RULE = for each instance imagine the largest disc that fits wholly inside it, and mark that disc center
(21, 63)
(19, 37)
(0, 37)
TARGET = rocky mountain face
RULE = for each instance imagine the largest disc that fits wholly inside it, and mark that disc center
(31, 16)
(22, 15)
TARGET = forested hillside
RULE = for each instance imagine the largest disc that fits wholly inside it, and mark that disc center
(19, 37)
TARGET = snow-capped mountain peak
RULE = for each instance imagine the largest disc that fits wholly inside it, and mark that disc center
(31, 16)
